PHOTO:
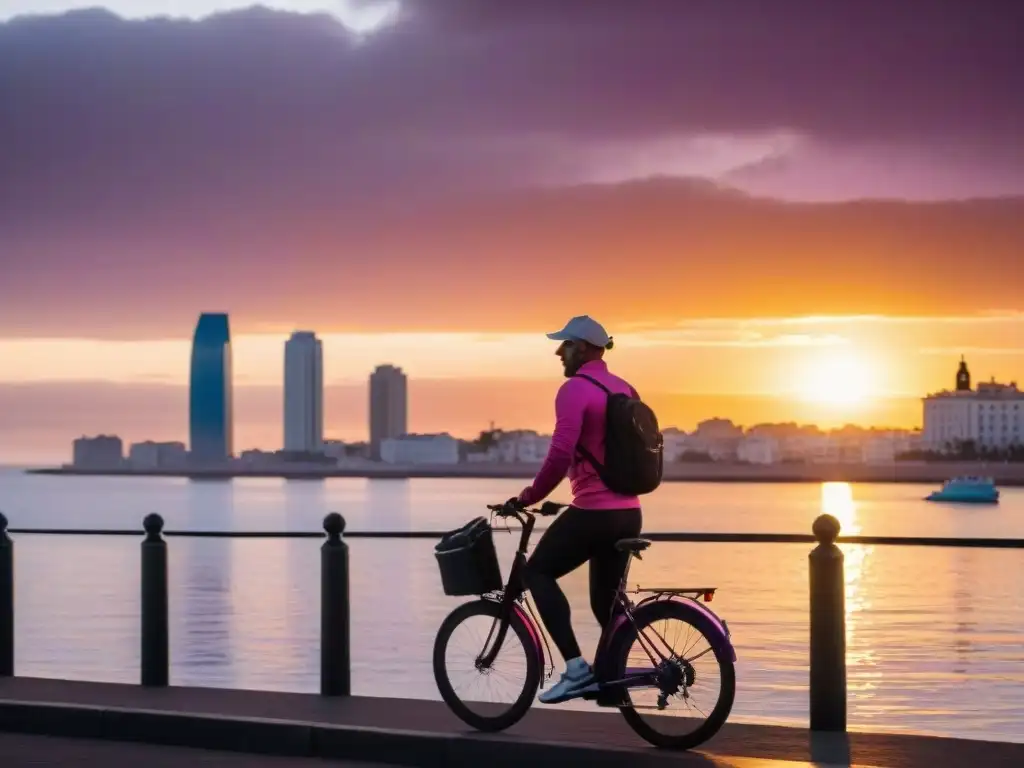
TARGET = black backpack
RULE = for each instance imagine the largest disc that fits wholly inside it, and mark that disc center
(633, 452)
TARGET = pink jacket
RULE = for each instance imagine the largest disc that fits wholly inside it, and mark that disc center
(580, 418)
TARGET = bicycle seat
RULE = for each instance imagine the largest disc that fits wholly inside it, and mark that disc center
(632, 545)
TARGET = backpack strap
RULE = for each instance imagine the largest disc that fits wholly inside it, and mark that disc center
(579, 448)
(598, 467)
(632, 390)
(593, 381)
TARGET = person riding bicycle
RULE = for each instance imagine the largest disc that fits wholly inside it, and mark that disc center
(598, 516)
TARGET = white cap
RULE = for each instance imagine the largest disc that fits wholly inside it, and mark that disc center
(583, 328)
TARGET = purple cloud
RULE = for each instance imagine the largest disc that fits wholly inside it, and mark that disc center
(194, 159)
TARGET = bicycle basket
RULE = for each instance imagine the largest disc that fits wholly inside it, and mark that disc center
(468, 560)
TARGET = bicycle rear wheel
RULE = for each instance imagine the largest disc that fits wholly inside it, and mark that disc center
(701, 688)
(466, 635)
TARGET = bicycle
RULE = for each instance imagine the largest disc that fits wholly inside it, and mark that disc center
(468, 564)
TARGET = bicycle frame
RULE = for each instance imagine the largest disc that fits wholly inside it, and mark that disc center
(514, 588)
(714, 629)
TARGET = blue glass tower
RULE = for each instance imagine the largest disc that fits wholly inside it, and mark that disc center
(210, 418)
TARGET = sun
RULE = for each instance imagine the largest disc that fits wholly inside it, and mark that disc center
(838, 377)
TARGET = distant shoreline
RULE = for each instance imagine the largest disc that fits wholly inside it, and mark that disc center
(1005, 474)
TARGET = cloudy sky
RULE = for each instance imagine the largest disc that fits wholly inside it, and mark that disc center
(406, 176)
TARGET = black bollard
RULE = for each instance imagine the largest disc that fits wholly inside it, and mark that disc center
(335, 675)
(155, 661)
(6, 601)
(828, 629)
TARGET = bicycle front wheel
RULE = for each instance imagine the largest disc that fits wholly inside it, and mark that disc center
(697, 681)
(492, 698)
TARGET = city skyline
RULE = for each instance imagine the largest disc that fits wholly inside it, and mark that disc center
(523, 402)
(984, 422)
(386, 414)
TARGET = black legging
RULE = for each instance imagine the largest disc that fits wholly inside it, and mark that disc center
(576, 536)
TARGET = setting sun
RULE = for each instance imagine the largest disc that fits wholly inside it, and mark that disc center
(836, 377)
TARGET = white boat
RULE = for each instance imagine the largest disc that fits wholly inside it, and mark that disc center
(967, 489)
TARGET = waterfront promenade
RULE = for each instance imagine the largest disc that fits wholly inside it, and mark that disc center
(406, 732)
(116, 719)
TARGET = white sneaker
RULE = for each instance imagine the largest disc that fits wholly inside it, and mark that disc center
(577, 679)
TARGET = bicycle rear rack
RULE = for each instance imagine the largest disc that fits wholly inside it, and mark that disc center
(696, 593)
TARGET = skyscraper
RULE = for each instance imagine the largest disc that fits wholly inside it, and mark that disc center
(303, 392)
(210, 416)
(388, 406)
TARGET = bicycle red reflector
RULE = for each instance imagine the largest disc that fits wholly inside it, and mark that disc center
(708, 596)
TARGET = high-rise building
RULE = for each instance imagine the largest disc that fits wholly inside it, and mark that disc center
(303, 392)
(388, 406)
(210, 412)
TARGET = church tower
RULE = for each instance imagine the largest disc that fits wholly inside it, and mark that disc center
(963, 377)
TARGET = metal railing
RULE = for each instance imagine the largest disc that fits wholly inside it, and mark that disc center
(827, 609)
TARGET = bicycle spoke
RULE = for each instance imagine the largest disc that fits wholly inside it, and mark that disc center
(498, 683)
(673, 715)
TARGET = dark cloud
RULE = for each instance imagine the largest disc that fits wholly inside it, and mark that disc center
(288, 105)
(650, 251)
(237, 160)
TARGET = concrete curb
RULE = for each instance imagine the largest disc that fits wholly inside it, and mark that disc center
(299, 739)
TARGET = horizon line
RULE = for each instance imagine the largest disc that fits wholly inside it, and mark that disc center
(278, 329)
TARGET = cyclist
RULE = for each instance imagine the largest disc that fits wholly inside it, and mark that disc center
(598, 517)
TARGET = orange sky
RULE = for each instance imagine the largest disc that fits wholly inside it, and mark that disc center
(697, 183)
(869, 370)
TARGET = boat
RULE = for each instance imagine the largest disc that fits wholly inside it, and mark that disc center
(967, 489)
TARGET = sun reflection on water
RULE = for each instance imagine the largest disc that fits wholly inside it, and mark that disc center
(837, 500)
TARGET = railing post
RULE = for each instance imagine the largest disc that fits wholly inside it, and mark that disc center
(155, 657)
(828, 629)
(335, 674)
(6, 601)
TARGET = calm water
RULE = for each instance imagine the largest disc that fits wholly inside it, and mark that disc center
(936, 636)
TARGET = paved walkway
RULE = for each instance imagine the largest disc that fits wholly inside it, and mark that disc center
(23, 751)
(410, 725)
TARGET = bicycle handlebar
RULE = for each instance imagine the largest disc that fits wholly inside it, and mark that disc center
(511, 508)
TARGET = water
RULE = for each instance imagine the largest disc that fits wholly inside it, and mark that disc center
(935, 636)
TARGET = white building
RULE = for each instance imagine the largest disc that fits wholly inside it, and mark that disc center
(759, 449)
(153, 455)
(420, 449)
(303, 392)
(257, 458)
(883, 448)
(100, 452)
(335, 449)
(991, 416)
(388, 406)
(843, 449)
(523, 446)
(674, 445)
(809, 448)
(719, 438)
